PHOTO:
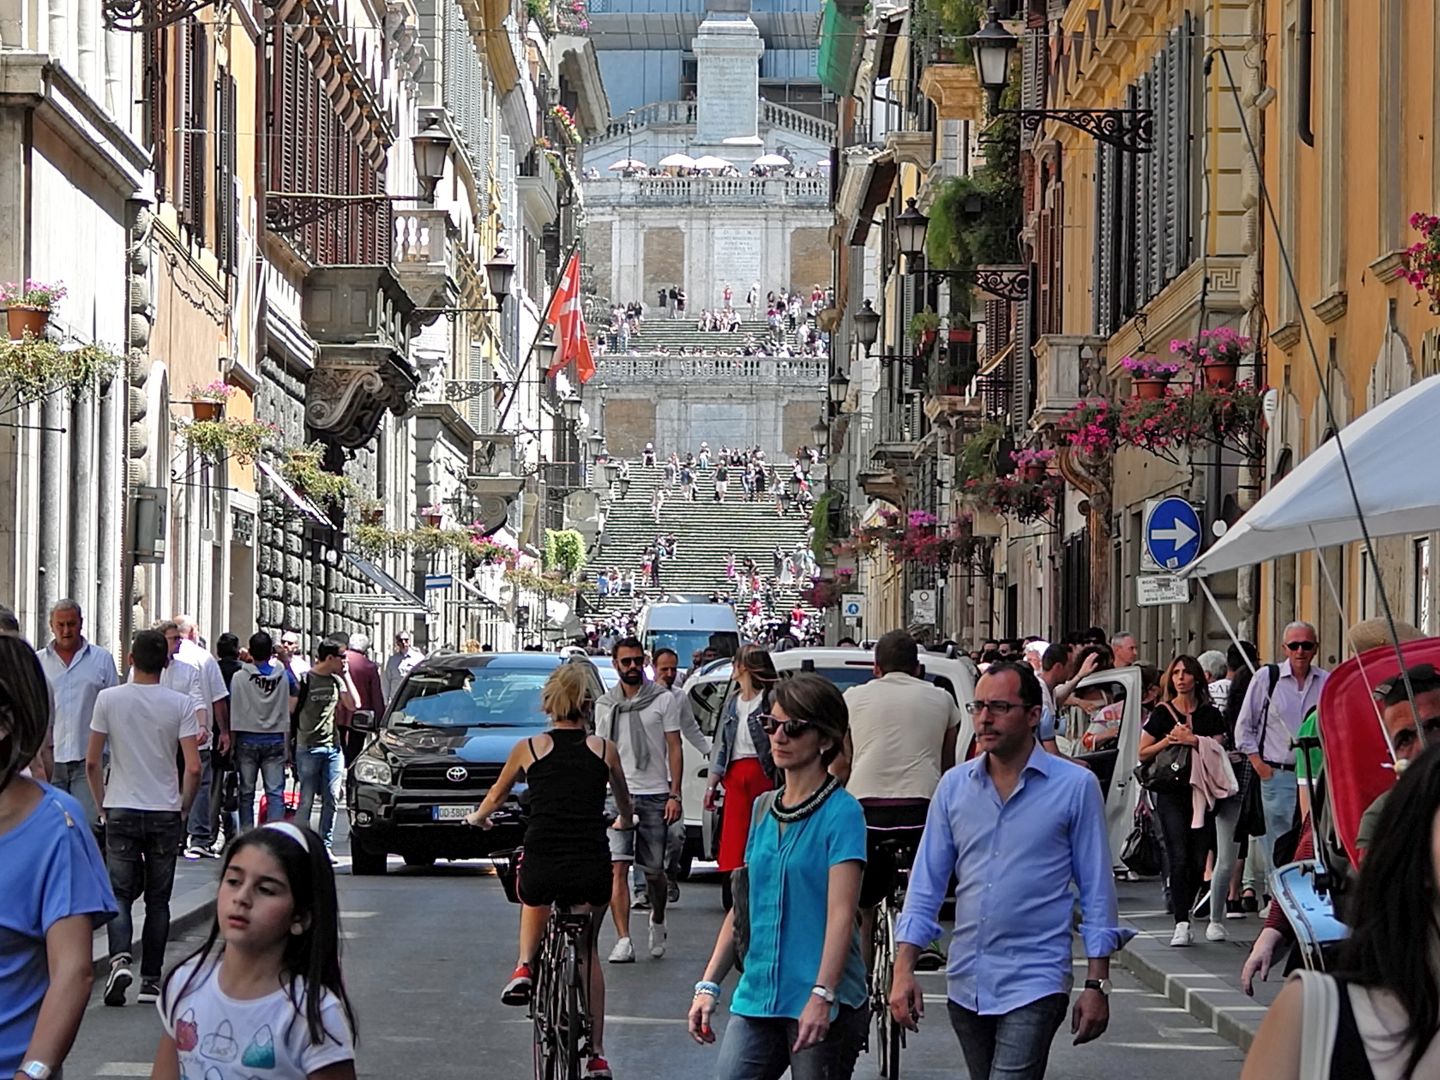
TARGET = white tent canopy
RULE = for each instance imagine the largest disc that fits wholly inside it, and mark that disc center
(711, 162)
(771, 161)
(627, 164)
(1391, 450)
(677, 161)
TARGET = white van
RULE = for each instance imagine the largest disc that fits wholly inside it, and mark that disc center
(688, 629)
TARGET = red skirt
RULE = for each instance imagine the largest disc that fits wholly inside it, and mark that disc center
(745, 781)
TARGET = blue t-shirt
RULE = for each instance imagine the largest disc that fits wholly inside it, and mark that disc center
(789, 882)
(64, 876)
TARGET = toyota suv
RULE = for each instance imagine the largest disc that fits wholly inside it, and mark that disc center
(438, 749)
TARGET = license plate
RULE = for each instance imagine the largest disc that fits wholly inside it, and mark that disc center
(450, 813)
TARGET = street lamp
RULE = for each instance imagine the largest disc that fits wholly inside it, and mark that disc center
(910, 228)
(597, 445)
(867, 326)
(1132, 130)
(839, 387)
(820, 431)
(500, 273)
(431, 149)
(570, 407)
(545, 353)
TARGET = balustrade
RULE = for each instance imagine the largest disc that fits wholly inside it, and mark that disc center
(709, 190)
(628, 369)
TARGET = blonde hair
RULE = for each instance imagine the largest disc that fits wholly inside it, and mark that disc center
(563, 697)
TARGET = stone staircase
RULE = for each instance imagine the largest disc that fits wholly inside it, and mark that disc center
(705, 533)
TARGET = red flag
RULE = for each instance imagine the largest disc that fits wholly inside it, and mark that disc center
(585, 361)
(564, 315)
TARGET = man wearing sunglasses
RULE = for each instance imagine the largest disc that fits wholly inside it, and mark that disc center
(1276, 703)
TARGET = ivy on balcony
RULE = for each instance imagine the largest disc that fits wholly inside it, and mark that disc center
(232, 437)
(33, 368)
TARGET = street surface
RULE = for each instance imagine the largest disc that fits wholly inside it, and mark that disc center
(427, 951)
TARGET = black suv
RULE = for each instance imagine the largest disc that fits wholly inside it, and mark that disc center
(437, 751)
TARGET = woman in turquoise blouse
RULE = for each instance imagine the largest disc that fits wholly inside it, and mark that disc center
(805, 854)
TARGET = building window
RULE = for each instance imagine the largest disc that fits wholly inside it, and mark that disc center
(226, 208)
(1421, 563)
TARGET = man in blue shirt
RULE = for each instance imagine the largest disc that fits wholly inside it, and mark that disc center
(77, 670)
(1017, 827)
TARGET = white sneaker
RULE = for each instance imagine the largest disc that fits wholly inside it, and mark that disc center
(623, 952)
(1182, 935)
(1216, 932)
(657, 938)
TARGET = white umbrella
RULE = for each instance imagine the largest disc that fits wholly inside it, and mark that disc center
(710, 162)
(627, 163)
(1312, 507)
(771, 161)
(677, 161)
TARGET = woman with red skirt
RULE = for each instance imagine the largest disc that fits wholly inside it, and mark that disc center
(741, 757)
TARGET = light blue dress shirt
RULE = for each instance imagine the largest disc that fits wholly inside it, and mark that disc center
(1015, 862)
(75, 687)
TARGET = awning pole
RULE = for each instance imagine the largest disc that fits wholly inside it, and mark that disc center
(1225, 622)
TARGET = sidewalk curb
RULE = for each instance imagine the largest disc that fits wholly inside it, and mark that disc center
(1225, 1011)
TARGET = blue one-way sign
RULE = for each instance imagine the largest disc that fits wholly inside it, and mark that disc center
(1172, 533)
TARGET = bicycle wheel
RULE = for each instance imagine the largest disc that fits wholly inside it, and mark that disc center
(540, 1017)
(888, 1035)
(572, 1020)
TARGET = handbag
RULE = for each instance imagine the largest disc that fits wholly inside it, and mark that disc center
(740, 886)
(1167, 771)
(1141, 851)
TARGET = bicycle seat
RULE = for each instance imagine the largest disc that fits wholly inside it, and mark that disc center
(571, 922)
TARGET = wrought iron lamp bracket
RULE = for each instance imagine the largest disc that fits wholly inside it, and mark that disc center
(291, 211)
(1132, 130)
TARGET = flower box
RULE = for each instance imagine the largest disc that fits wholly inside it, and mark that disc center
(23, 319)
(1150, 389)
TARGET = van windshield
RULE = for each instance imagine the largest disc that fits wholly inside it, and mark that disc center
(687, 643)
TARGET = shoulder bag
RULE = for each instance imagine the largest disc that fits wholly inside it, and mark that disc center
(1252, 807)
(1167, 771)
(740, 885)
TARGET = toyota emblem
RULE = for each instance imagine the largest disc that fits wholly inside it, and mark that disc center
(456, 773)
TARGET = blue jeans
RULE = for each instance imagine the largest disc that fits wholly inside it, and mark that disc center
(69, 776)
(322, 770)
(200, 808)
(759, 1048)
(265, 760)
(1009, 1046)
(140, 850)
(1280, 796)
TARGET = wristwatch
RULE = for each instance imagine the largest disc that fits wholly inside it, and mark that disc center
(824, 993)
(1103, 985)
(35, 1070)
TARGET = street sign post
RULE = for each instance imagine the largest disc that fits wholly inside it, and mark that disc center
(1154, 590)
(850, 604)
(1173, 533)
(439, 581)
(922, 606)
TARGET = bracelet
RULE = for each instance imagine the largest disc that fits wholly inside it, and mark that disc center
(672, 798)
(705, 986)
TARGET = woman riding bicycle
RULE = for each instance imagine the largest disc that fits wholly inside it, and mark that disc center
(566, 858)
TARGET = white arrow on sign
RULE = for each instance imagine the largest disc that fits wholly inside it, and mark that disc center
(1179, 535)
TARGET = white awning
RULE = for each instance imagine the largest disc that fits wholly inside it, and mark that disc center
(1388, 448)
(300, 502)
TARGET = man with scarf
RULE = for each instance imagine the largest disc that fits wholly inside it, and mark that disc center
(643, 720)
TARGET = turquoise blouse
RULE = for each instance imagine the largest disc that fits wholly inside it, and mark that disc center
(789, 882)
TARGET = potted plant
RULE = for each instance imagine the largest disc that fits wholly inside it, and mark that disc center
(1150, 376)
(1218, 352)
(924, 329)
(208, 401)
(1033, 464)
(1422, 259)
(432, 515)
(372, 512)
(28, 306)
(1090, 429)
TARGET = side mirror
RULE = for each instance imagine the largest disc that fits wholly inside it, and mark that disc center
(363, 720)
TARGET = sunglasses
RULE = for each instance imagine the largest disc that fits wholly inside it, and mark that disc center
(630, 661)
(994, 708)
(793, 728)
(1297, 646)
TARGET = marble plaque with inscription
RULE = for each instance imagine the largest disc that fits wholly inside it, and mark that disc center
(734, 259)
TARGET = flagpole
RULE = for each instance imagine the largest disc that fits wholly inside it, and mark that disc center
(544, 322)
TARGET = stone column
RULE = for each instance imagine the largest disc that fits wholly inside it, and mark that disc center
(109, 518)
(83, 565)
(50, 466)
(727, 52)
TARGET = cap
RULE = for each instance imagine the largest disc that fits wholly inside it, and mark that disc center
(1423, 678)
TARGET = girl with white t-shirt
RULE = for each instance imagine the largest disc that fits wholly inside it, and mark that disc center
(271, 999)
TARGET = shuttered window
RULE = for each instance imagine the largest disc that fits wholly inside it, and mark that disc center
(226, 208)
(156, 60)
(194, 93)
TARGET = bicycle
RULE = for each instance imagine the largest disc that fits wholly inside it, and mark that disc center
(560, 1000)
(889, 1036)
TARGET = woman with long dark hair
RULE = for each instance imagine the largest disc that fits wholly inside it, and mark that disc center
(1385, 1007)
(1183, 715)
(800, 1001)
(53, 905)
(741, 758)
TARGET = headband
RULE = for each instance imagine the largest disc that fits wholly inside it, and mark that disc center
(292, 831)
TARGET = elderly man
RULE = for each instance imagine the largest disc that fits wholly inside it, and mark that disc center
(77, 670)
(365, 674)
(291, 658)
(1276, 703)
(398, 665)
(214, 729)
(1124, 649)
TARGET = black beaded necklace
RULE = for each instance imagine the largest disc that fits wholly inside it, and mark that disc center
(807, 806)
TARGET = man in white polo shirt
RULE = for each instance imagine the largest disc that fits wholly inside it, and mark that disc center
(144, 804)
(76, 670)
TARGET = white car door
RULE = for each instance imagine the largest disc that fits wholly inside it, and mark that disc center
(1112, 760)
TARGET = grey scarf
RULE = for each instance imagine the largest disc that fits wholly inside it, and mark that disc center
(618, 703)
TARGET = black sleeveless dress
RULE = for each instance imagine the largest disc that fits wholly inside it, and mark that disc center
(567, 855)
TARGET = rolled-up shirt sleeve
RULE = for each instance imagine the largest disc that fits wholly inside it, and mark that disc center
(1093, 870)
(919, 923)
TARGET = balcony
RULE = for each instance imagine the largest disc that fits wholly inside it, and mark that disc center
(423, 256)
(955, 89)
(912, 147)
(1060, 362)
(812, 191)
(539, 190)
(357, 316)
(950, 382)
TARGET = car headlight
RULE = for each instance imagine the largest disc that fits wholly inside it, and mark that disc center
(369, 770)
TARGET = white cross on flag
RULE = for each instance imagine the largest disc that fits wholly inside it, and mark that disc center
(564, 313)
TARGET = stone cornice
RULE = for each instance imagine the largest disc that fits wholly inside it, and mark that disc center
(1332, 307)
(1173, 312)
(1287, 336)
(1388, 267)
